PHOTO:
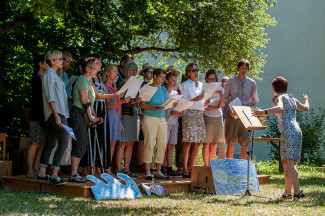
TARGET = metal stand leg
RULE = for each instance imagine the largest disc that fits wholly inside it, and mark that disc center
(90, 152)
(250, 151)
(99, 151)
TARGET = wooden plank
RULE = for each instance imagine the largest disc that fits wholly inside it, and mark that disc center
(172, 185)
(263, 139)
(21, 183)
(68, 190)
(263, 179)
(244, 119)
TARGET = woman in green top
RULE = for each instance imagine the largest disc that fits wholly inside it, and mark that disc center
(82, 114)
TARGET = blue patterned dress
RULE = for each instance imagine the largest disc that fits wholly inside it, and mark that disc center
(291, 136)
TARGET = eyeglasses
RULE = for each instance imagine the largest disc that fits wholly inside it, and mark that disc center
(94, 68)
(195, 70)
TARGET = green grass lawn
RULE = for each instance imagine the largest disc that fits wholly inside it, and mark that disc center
(312, 182)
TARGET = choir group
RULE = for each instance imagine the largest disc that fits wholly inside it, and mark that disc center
(109, 126)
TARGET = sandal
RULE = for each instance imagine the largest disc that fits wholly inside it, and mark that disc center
(31, 175)
(288, 196)
(298, 196)
(77, 178)
(131, 174)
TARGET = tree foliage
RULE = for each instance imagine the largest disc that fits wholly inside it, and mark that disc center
(213, 33)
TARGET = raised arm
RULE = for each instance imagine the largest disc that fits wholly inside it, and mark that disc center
(303, 107)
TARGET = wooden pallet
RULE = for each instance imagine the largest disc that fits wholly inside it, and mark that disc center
(172, 185)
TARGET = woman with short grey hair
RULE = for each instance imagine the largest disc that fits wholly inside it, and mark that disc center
(130, 122)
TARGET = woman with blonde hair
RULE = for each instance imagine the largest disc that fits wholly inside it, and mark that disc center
(56, 112)
(114, 107)
(130, 121)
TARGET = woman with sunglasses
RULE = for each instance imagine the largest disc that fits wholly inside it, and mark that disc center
(193, 127)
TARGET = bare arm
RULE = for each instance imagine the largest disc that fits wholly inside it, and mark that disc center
(108, 96)
(273, 110)
(145, 106)
(84, 100)
(210, 107)
(117, 103)
(105, 96)
(56, 115)
(303, 107)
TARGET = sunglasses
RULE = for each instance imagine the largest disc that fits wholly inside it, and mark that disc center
(195, 70)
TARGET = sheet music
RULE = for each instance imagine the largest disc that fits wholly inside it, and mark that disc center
(134, 88)
(218, 87)
(71, 81)
(183, 105)
(170, 101)
(235, 102)
(147, 92)
(127, 84)
(69, 130)
(253, 120)
(207, 90)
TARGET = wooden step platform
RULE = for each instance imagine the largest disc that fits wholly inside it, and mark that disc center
(172, 185)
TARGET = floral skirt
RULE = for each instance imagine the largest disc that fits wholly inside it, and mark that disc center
(193, 126)
(36, 133)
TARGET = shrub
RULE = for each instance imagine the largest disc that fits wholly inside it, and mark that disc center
(312, 126)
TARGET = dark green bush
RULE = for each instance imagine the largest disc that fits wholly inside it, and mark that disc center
(312, 125)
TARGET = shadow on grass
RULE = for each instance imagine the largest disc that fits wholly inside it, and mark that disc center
(19, 202)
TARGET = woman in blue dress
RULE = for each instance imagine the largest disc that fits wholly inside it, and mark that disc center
(291, 136)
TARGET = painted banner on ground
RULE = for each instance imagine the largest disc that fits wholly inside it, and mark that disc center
(230, 176)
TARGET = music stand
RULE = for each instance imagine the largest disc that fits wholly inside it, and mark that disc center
(251, 123)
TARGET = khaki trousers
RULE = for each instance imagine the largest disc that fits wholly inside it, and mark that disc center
(154, 130)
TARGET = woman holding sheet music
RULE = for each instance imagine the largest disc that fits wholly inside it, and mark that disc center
(130, 121)
(154, 125)
(285, 107)
(214, 124)
(82, 115)
(193, 127)
(114, 107)
(244, 88)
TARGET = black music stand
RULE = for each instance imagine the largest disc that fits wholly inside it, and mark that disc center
(251, 123)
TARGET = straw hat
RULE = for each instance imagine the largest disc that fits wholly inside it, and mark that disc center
(145, 66)
(172, 69)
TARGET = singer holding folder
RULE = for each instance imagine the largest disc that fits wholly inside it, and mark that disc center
(245, 89)
(154, 125)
